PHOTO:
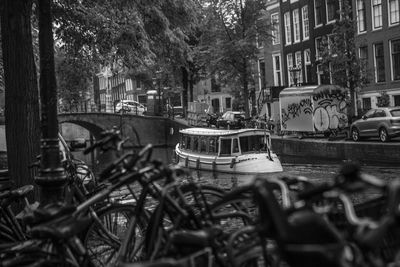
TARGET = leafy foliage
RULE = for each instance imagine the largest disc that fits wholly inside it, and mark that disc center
(339, 55)
(130, 33)
(228, 43)
(73, 79)
(383, 100)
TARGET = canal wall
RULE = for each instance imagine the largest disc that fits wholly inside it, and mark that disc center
(363, 152)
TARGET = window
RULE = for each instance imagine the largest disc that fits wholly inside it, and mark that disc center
(203, 144)
(138, 85)
(323, 77)
(396, 99)
(261, 71)
(379, 63)
(363, 55)
(318, 12)
(307, 65)
(377, 14)
(394, 12)
(361, 23)
(318, 47)
(299, 74)
(288, 30)
(226, 147)
(366, 103)
(276, 61)
(395, 63)
(379, 113)
(228, 102)
(276, 34)
(330, 10)
(212, 148)
(235, 146)
(195, 146)
(306, 25)
(296, 25)
(289, 61)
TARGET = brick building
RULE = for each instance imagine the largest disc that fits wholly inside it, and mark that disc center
(378, 43)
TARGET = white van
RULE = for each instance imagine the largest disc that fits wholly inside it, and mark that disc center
(130, 106)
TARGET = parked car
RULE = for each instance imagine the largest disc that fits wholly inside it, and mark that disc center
(231, 120)
(383, 122)
(130, 106)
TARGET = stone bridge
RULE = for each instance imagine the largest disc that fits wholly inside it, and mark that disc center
(141, 130)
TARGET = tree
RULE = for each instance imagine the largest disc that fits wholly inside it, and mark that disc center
(139, 37)
(228, 43)
(339, 57)
(73, 79)
(21, 91)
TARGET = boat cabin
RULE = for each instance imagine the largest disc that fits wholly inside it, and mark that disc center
(224, 143)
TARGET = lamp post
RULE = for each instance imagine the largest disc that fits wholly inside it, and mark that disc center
(51, 178)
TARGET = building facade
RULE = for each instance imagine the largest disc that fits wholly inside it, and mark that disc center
(305, 24)
(270, 65)
(113, 87)
(378, 44)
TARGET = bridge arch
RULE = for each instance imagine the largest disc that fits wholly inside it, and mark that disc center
(94, 129)
(141, 130)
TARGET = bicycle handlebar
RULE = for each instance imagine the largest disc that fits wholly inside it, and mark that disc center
(315, 191)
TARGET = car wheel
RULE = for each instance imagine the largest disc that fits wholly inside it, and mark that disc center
(355, 134)
(383, 135)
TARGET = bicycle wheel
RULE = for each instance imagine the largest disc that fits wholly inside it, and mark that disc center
(103, 238)
(234, 210)
(245, 248)
(198, 201)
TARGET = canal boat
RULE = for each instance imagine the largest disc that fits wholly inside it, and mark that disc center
(242, 151)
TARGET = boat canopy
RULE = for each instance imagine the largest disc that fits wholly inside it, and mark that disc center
(224, 142)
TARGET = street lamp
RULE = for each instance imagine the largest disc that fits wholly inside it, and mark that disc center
(157, 86)
(294, 73)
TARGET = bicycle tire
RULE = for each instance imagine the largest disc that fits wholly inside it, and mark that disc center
(101, 250)
(246, 248)
(157, 233)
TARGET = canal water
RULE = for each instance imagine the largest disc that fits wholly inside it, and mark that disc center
(316, 170)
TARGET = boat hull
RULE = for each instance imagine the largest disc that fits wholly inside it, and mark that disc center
(242, 164)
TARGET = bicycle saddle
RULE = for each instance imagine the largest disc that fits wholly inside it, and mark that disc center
(62, 229)
(48, 213)
(198, 238)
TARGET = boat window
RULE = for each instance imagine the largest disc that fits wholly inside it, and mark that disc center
(195, 143)
(226, 147)
(212, 147)
(183, 142)
(253, 143)
(203, 144)
(235, 147)
(189, 142)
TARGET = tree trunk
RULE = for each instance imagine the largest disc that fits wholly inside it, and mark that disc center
(245, 90)
(21, 91)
